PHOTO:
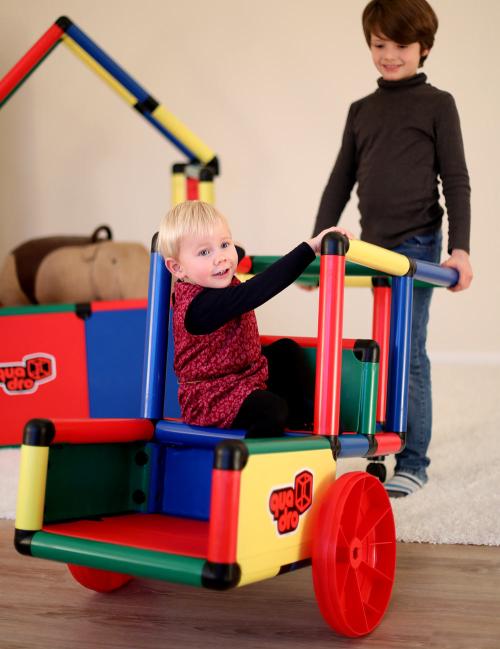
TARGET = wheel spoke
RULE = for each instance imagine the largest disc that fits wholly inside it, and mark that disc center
(373, 520)
(375, 573)
(342, 535)
(341, 577)
(361, 502)
(355, 602)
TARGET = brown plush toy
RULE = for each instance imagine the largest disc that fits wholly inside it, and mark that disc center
(68, 269)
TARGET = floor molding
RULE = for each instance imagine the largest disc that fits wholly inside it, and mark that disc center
(465, 358)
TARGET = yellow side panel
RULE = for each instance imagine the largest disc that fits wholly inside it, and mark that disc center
(272, 531)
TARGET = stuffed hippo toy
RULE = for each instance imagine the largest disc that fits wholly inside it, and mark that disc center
(70, 269)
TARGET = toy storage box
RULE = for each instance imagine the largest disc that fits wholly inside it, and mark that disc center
(70, 360)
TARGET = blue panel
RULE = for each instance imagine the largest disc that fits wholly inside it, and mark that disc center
(115, 351)
(155, 353)
(399, 354)
(107, 63)
(353, 445)
(188, 476)
(199, 436)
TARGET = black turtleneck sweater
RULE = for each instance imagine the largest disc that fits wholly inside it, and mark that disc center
(397, 143)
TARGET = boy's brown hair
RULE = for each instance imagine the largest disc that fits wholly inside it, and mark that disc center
(402, 21)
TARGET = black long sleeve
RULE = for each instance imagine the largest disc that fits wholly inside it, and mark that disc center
(398, 143)
(339, 186)
(213, 307)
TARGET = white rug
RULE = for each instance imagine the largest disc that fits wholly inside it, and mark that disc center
(461, 502)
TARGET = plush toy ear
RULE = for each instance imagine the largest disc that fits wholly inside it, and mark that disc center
(89, 253)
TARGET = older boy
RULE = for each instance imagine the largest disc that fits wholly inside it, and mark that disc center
(397, 143)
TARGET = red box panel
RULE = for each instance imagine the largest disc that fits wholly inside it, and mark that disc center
(43, 370)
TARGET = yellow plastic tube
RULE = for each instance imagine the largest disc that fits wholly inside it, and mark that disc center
(178, 188)
(206, 191)
(99, 70)
(31, 489)
(377, 258)
(183, 134)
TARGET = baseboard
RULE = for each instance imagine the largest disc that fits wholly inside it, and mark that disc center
(465, 358)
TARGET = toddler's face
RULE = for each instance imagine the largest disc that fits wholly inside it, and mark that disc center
(394, 61)
(209, 260)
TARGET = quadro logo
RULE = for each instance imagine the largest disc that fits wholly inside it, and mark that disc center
(24, 377)
(287, 504)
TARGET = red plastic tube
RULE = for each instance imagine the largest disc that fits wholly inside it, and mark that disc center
(101, 431)
(380, 333)
(32, 57)
(329, 354)
(223, 534)
(388, 443)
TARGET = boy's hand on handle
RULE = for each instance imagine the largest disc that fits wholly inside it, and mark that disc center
(460, 260)
(315, 242)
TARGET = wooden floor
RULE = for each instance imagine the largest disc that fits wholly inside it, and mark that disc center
(445, 597)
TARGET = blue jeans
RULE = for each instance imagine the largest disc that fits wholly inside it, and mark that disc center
(414, 457)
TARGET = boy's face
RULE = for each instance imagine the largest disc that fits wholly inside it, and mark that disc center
(208, 260)
(394, 61)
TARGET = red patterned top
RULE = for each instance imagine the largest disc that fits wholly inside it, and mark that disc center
(216, 371)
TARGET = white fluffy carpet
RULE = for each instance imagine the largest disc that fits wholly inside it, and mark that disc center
(461, 502)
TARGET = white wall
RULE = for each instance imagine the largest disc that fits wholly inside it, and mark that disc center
(267, 85)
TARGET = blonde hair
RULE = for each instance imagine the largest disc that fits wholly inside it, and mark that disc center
(186, 219)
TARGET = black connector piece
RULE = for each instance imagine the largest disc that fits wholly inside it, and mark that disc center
(366, 351)
(230, 455)
(64, 23)
(22, 541)
(220, 576)
(334, 243)
(148, 105)
(39, 432)
(83, 310)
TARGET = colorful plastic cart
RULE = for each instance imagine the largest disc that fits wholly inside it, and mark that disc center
(155, 498)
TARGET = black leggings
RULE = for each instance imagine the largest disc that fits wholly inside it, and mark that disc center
(289, 399)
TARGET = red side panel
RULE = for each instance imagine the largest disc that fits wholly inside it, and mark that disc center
(147, 531)
(43, 370)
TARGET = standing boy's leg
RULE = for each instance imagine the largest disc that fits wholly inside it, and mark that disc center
(411, 464)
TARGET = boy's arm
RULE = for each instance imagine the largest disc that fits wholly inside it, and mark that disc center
(213, 307)
(456, 190)
(342, 179)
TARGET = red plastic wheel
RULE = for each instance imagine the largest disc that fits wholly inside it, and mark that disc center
(354, 554)
(102, 581)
